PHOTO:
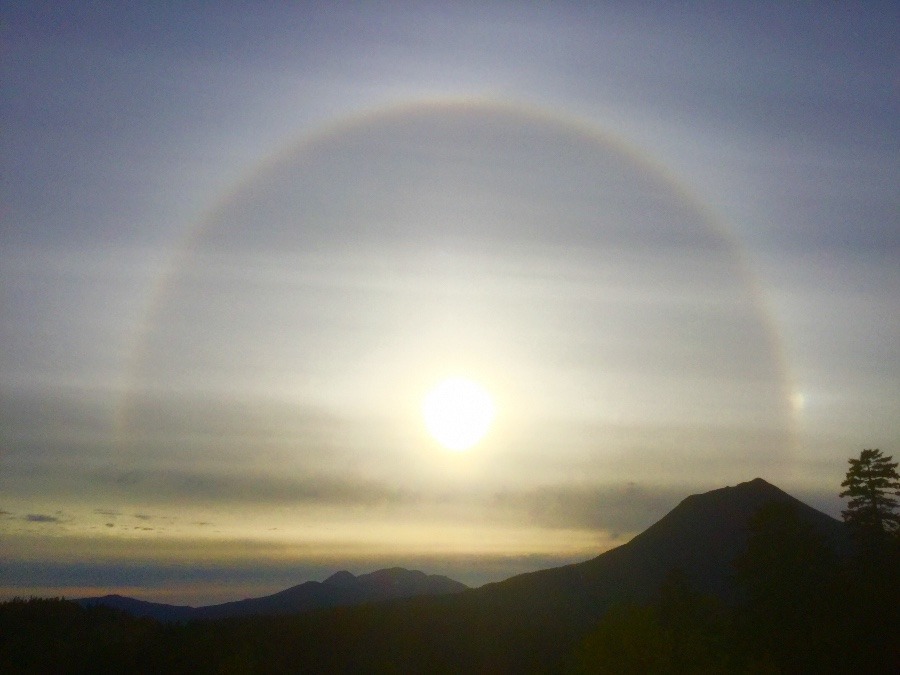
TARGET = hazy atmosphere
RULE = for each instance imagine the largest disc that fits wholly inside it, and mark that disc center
(240, 244)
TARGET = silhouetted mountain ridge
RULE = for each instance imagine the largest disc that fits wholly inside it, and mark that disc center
(530, 622)
(700, 537)
(705, 533)
(340, 589)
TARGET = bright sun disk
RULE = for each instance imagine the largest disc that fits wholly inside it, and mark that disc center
(458, 413)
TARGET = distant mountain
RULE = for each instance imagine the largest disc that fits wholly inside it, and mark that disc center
(139, 608)
(339, 590)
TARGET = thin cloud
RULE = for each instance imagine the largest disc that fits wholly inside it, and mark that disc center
(197, 486)
(41, 518)
(615, 509)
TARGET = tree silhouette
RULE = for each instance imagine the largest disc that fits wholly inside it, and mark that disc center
(871, 483)
(872, 591)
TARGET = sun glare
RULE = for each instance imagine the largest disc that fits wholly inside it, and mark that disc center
(458, 413)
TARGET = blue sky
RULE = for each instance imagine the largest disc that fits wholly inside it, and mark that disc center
(238, 243)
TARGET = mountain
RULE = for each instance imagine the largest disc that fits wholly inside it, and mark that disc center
(139, 608)
(339, 590)
(531, 622)
(701, 537)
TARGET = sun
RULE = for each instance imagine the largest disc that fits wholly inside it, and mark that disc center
(458, 413)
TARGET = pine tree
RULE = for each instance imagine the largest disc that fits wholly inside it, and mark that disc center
(872, 483)
(872, 594)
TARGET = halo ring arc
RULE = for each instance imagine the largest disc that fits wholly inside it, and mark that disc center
(207, 232)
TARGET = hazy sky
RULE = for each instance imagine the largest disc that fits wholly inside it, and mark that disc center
(240, 242)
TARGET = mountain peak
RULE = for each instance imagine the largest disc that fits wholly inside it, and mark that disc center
(341, 578)
(706, 531)
(758, 484)
(738, 499)
(395, 575)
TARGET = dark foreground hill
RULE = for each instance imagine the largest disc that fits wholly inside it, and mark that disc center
(339, 590)
(700, 537)
(537, 622)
